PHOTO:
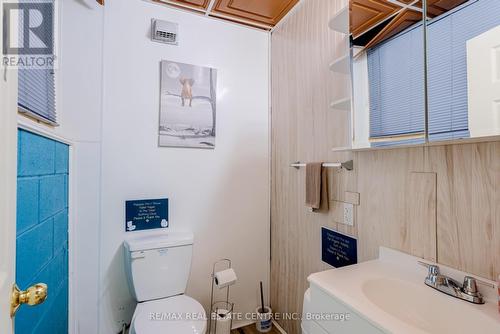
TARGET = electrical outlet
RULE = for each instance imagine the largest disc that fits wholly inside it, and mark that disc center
(349, 214)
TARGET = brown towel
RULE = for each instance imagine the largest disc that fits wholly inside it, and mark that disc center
(316, 187)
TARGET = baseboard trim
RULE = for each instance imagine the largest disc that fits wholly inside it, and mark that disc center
(280, 329)
(243, 324)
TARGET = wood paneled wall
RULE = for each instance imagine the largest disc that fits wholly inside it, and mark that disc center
(304, 129)
(440, 203)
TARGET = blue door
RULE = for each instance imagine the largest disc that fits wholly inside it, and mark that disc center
(42, 231)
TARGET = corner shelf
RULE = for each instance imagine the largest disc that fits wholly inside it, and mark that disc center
(340, 22)
(341, 65)
(341, 104)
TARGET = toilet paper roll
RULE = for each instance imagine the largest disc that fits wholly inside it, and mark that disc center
(225, 278)
(223, 322)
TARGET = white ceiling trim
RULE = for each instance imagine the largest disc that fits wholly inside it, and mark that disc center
(407, 6)
(240, 20)
(210, 7)
(177, 4)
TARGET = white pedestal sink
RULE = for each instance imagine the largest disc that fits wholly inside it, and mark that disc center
(388, 295)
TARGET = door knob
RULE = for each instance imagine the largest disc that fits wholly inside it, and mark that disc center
(34, 295)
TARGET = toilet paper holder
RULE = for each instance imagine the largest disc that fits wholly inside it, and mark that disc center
(226, 285)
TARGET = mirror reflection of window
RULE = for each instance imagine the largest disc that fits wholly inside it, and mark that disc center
(388, 73)
(463, 72)
(463, 55)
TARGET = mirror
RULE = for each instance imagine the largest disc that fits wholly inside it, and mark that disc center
(388, 73)
(463, 52)
(416, 81)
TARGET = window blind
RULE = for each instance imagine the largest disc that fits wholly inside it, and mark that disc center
(447, 75)
(36, 87)
(447, 57)
(396, 76)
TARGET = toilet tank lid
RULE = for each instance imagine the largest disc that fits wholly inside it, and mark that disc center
(172, 239)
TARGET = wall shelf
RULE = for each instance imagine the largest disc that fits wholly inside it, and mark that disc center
(341, 65)
(342, 149)
(342, 104)
(340, 22)
(489, 139)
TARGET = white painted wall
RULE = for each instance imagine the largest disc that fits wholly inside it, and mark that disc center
(80, 88)
(221, 195)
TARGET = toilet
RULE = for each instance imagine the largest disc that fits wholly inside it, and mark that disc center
(158, 269)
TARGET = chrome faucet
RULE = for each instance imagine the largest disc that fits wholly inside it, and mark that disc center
(467, 291)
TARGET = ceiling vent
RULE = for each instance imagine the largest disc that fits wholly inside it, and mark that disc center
(164, 32)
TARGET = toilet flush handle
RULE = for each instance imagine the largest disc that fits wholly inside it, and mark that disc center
(138, 255)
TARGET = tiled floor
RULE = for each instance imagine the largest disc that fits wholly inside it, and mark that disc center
(250, 329)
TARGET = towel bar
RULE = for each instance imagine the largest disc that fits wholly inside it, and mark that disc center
(348, 165)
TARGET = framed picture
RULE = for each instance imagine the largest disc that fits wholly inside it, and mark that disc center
(188, 106)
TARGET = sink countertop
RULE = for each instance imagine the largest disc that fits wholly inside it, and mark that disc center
(390, 293)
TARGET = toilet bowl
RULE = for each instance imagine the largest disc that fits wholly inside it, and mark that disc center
(179, 314)
(158, 270)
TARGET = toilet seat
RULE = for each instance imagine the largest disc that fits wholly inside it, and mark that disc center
(179, 315)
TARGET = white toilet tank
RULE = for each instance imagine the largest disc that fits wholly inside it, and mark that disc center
(158, 266)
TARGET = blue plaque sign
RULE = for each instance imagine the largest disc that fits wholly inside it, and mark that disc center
(338, 250)
(146, 214)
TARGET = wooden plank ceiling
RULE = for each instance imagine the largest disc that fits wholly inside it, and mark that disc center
(263, 14)
(389, 17)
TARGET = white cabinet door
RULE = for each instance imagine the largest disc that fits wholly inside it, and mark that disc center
(316, 329)
(327, 310)
(483, 72)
